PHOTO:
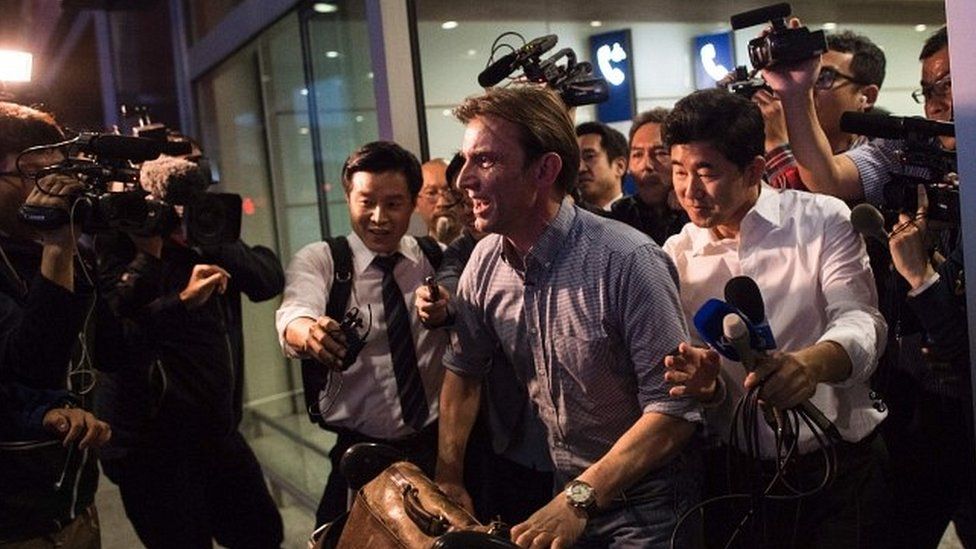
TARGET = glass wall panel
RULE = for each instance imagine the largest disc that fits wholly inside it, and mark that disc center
(256, 126)
(342, 81)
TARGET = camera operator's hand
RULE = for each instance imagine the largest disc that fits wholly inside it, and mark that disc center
(796, 79)
(907, 245)
(204, 281)
(57, 257)
(72, 423)
(54, 191)
(432, 313)
(318, 338)
(773, 119)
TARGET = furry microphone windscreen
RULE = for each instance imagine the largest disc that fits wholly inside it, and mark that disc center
(172, 179)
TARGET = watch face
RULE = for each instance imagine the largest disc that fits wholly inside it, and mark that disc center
(579, 493)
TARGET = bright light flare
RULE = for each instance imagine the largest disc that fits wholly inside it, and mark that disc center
(15, 66)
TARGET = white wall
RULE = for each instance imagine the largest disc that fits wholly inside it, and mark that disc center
(663, 70)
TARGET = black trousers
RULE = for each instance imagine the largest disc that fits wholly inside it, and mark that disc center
(420, 449)
(852, 512)
(186, 497)
(499, 487)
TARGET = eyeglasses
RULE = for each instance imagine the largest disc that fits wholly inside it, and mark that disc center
(829, 75)
(434, 194)
(939, 88)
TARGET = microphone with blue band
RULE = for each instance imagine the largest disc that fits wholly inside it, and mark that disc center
(723, 326)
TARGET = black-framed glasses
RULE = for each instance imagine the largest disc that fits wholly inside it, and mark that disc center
(939, 88)
(829, 75)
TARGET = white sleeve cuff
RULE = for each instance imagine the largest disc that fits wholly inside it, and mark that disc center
(925, 285)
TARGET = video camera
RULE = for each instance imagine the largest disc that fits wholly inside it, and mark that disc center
(116, 169)
(781, 46)
(106, 165)
(923, 161)
(573, 81)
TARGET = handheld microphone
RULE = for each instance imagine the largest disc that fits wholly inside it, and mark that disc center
(500, 69)
(868, 221)
(737, 334)
(743, 292)
(709, 321)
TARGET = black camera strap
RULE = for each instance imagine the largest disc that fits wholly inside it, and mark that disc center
(314, 375)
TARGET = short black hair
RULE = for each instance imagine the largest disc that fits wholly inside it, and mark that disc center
(611, 140)
(935, 43)
(730, 123)
(868, 61)
(656, 115)
(22, 127)
(380, 157)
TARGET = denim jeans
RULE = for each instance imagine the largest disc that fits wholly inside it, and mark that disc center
(648, 513)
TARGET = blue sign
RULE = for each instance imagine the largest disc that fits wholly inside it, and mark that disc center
(613, 60)
(714, 58)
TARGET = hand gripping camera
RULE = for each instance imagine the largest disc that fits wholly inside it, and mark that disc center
(106, 165)
(781, 46)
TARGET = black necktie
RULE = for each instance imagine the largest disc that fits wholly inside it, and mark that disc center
(413, 400)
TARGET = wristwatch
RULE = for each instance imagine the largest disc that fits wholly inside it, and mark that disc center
(582, 496)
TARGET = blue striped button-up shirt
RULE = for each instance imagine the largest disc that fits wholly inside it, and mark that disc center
(586, 323)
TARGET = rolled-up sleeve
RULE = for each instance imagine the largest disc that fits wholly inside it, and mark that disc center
(308, 281)
(650, 312)
(471, 348)
(853, 319)
(875, 161)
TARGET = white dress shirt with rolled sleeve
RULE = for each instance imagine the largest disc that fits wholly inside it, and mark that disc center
(816, 283)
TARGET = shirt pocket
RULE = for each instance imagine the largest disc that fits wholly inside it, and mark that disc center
(587, 371)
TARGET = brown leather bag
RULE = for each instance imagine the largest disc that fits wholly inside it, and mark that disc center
(402, 508)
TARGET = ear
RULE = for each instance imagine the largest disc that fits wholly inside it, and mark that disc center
(869, 95)
(619, 166)
(547, 169)
(754, 170)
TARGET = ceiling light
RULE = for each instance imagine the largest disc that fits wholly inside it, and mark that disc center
(15, 66)
(830, 26)
(921, 28)
(596, 23)
(332, 54)
(325, 7)
(448, 25)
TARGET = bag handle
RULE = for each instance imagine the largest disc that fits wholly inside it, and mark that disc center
(430, 524)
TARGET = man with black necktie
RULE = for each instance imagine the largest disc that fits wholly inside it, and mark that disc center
(390, 392)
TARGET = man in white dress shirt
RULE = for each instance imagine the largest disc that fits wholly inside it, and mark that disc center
(390, 392)
(820, 301)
